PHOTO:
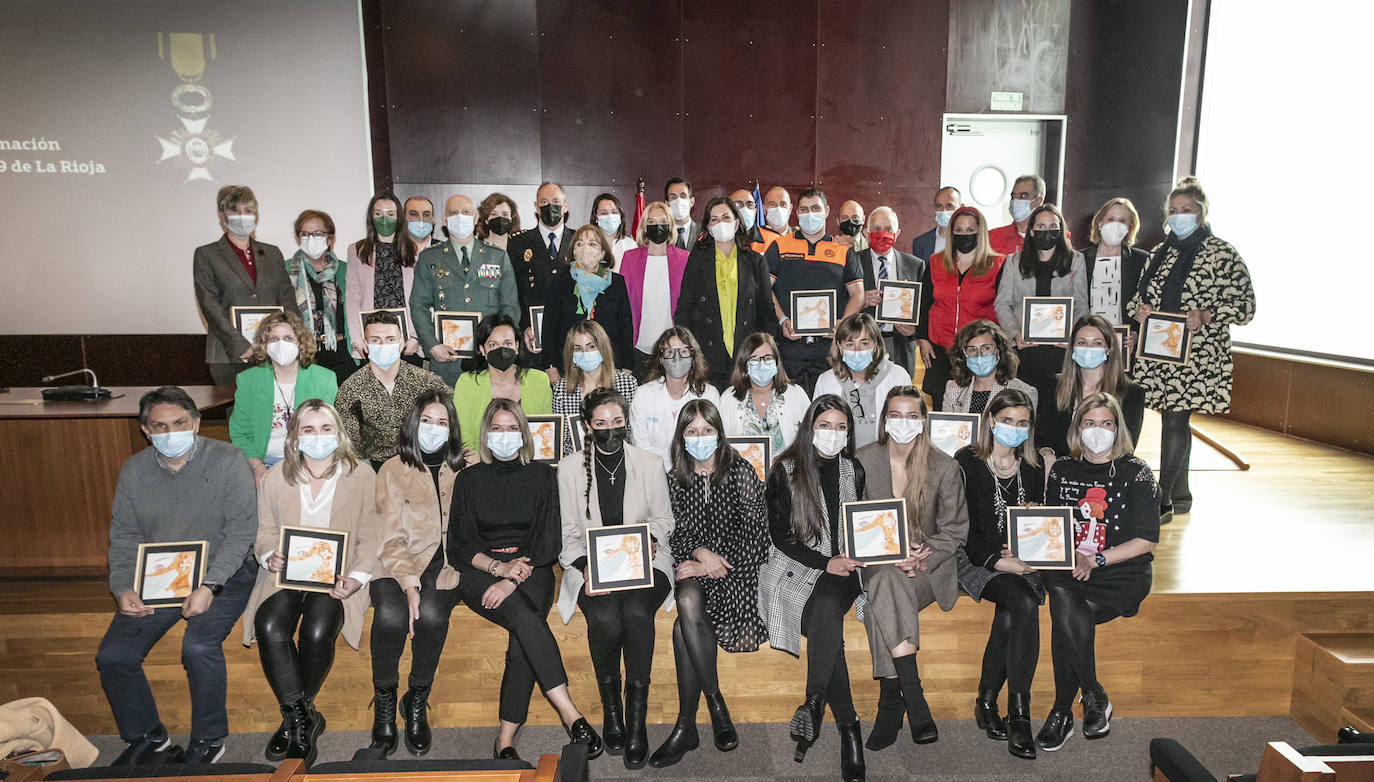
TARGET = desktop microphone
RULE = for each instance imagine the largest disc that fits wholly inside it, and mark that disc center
(75, 393)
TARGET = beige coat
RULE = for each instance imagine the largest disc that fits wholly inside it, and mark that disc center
(413, 522)
(353, 511)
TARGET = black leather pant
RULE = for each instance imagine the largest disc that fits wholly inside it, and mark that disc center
(296, 668)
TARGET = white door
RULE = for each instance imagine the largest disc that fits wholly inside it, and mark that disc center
(983, 156)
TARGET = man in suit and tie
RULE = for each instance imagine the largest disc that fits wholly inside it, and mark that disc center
(947, 199)
(681, 200)
(236, 271)
(462, 275)
(883, 261)
(851, 233)
(534, 256)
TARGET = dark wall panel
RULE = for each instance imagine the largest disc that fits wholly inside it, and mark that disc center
(116, 359)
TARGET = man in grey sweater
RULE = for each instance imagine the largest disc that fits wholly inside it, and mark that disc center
(184, 488)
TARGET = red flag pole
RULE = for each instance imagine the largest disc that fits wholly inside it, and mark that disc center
(639, 205)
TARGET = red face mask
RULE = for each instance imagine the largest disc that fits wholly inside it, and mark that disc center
(881, 241)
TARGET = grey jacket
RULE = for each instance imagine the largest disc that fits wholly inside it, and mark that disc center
(1012, 288)
(222, 282)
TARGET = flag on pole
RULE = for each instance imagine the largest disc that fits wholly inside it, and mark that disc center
(758, 206)
(639, 206)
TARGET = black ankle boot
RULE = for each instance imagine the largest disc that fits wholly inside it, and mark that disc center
(806, 724)
(986, 715)
(851, 751)
(891, 709)
(277, 745)
(923, 730)
(384, 720)
(722, 727)
(636, 732)
(300, 741)
(681, 740)
(1019, 741)
(414, 710)
(612, 717)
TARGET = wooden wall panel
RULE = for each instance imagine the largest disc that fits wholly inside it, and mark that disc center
(1317, 401)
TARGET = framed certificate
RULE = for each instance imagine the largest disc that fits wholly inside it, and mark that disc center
(813, 313)
(246, 319)
(167, 573)
(900, 303)
(315, 558)
(1041, 537)
(1164, 337)
(1046, 320)
(399, 312)
(457, 331)
(618, 558)
(537, 326)
(1123, 333)
(874, 531)
(755, 449)
(951, 431)
(547, 433)
(575, 432)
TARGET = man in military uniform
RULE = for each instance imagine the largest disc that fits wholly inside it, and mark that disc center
(459, 275)
(535, 256)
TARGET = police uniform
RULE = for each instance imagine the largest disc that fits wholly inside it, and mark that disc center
(486, 286)
(796, 265)
(534, 268)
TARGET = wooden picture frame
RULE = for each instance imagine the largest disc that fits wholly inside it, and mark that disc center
(1047, 320)
(457, 331)
(757, 450)
(813, 313)
(951, 431)
(874, 531)
(165, 574)
(315, 558)
(537, 326)
(1123, 333)
(246, 319)
(900, 302)
(575, 432)
(546, 430)
(399, 312)
(1042, 537)
(618, 558)
(1164, 337)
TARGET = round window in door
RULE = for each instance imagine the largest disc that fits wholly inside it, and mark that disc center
(987, 186)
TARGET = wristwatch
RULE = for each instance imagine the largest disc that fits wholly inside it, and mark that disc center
(215, 589)
(1100, 559)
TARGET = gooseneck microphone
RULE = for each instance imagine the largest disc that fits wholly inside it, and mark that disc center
(75, 393)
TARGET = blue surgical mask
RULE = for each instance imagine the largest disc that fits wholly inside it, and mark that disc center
(419, 228)
(608, 223)
(1008, 435)
(942, 218)
(1020, 209)
(1182, 225)
(982, 366)
(588, 360)
(173, 444)
(1089, 358)
(431, 437)
(811, 222)
(701, 448)
(763, 374)
(318, 446)
(858, 360)
(384, 355)
(459, 226)
(504, 445)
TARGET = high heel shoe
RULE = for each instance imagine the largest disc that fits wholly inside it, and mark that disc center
(923, 729)
(722, 727)
(806, 725)
(986, 715)
(851, 751)
(891, 710)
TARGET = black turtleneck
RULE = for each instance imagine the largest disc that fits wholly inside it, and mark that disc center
(610, 495)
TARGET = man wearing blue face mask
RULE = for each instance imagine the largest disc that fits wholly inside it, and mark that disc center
(947, 199)
(184, 488)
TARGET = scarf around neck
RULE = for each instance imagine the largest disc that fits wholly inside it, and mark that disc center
(587, 286)
(1171, 293)
(302, 272)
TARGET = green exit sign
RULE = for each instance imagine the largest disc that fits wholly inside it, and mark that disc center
(1006, 101)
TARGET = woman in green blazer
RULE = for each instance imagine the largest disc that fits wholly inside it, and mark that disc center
(283, 376)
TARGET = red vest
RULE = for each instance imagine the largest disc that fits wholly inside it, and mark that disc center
(955, 304)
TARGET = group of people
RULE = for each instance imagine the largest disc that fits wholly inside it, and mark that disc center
(432, 473)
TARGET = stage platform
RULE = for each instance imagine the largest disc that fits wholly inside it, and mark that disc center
(1267, 556)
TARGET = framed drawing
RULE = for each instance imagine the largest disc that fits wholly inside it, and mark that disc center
(757, 450)
(399, 312)
(315, 558)
(1046, 320)
(457, 331)
(1042, 537)
(167, 573)
(618, 558)
(901, 302)
(246, 319)
(874, 531)
(547, 433)
(537, 326)
(813, 313)
(951, 431)
(1164, 337)
(575, 431)
(1123, 333)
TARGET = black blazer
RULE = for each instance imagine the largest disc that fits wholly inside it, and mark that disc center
(698, 306)
(923, 246)
(534, 267)
(612, 310)
(1133, 261)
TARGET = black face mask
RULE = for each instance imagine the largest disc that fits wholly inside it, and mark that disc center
(551, 215)
(610, 440)
(850, 227)
(502, 359)
(1046, 240)
(499, 225)
(658, 234)
(965, 243)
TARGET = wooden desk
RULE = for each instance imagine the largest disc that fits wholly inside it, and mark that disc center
(59, 462)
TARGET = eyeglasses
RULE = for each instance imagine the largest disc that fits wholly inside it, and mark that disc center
(677, 353)
(757, 361)
(979, 350)
(855, 404)
(316, 234)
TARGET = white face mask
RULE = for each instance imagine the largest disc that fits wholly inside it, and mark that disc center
(777, 216)
(724, 231)
(1020, 209)
(1097, 439)
(680, 208)
(384, 355)
(942, 218)
(1112, 233)
(241, 225)
(829, 442)
(431, 437)
(283, 352)
(811, 222)
(748, 216)
(904, 430)
(314, 246)
(459, 226)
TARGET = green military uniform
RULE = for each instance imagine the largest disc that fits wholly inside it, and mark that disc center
(444, 283)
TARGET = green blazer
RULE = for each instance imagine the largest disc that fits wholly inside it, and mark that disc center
(472, 394)
(250, 424)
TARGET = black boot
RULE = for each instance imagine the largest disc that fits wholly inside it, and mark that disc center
(923, 730)
(300, 742)
(851, 751)
(636, 732)
(681, 740)
(806, 724)
(612, 718)
(414, 708)
(986, 715)
(723, 728)
(581, 732)
(1019, 741)
(891, 709)
(384, 720)
(316, 723)
(276, 746)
